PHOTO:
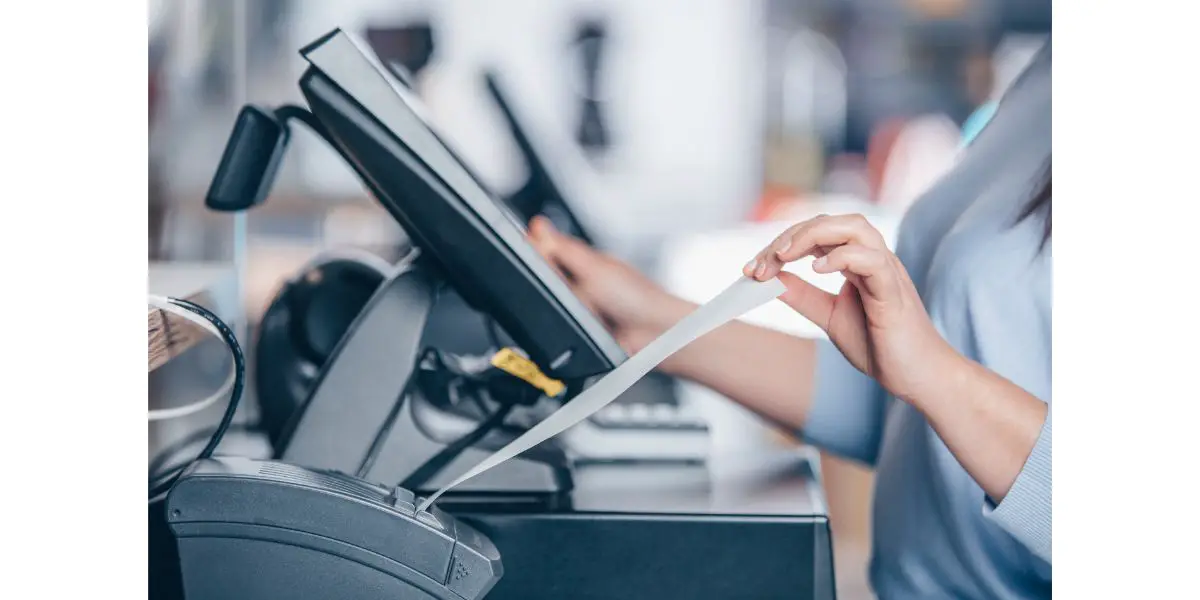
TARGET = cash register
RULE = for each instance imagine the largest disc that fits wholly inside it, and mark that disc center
(314, 308)
(332, 515)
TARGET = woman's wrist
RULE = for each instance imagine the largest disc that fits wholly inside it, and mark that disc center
(951, 374)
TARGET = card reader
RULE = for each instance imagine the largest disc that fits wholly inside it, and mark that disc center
(265, 529)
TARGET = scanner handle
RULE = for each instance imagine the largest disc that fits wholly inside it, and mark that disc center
(252, 156)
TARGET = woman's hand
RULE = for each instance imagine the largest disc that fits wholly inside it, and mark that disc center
(635, 309)
(877, 320)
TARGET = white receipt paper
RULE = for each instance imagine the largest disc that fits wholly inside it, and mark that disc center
(738, 299)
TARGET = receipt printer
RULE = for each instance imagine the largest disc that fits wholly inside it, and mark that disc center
(264, 529)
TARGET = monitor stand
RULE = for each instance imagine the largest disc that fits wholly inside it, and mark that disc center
(366, 417)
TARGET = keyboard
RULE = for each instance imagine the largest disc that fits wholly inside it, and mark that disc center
(647, 422)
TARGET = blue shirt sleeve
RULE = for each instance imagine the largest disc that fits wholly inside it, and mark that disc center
(847, 412)
(1026, 512)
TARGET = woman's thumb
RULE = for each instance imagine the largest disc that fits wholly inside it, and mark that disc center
(812, 302)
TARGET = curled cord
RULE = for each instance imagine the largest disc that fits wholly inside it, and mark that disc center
(239, 380)
(162, 414)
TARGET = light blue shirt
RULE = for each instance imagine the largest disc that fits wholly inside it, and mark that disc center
(987, 287)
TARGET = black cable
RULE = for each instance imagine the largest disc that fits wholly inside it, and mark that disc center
(440, 375)
(430, 468)
(239, 382)
(239, 364)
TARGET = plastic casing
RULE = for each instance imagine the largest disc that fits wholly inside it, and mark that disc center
(264, 529)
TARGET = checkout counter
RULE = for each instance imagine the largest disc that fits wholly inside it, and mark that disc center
(332, 512)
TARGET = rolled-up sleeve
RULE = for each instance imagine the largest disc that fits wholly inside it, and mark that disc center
(847, 412)
(1025, 513)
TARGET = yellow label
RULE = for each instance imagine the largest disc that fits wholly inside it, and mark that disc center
(511, 362)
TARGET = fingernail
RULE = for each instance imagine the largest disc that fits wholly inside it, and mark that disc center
(750, 266)
(784, 246)
(762, 268)
(819, 263)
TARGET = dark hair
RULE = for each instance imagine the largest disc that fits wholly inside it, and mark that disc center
(1039, 203)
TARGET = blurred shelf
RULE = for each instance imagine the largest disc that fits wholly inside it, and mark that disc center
(285, 204)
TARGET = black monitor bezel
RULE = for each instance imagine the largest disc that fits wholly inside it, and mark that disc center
(571, 325)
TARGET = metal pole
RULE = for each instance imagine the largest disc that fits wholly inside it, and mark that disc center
(239, 97)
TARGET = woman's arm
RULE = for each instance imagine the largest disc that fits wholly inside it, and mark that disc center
(989, 423)
(803, 385)
(769, 372)
(1003, 437)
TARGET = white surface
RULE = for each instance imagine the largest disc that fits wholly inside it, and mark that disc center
(696, 266)
(741, 296)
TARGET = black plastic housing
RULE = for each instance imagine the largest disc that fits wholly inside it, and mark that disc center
(464, 233)
(250, 161)
(263, 529)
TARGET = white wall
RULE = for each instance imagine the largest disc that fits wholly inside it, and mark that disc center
(684, 78)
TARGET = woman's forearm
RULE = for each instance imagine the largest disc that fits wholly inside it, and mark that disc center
(990, 424)
(767, 371)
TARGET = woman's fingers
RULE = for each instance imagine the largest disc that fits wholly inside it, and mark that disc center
(575, 256)
(814, 237)
(831, 231)
(541, 237)
(767, 260)
(864, 267)
(563, 252)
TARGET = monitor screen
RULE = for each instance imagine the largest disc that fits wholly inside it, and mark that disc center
(472, 240)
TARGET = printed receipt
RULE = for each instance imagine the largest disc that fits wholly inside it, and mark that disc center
(743, 296)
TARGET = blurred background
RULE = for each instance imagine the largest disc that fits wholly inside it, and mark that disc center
(685, 133)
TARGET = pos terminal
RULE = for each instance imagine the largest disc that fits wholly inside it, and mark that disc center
(390, 419)
(352, 420)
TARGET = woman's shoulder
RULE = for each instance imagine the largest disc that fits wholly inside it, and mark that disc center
(995, 173)
(973, 214)
(992, 248)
